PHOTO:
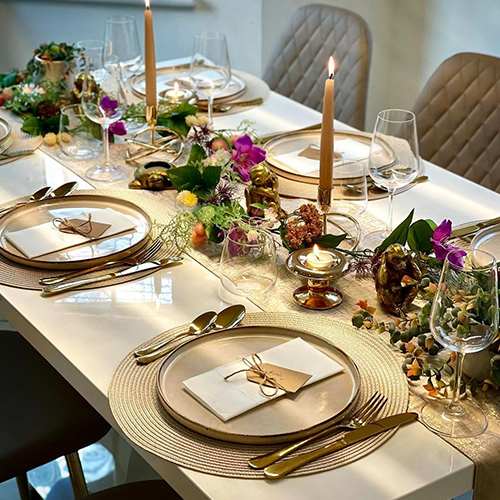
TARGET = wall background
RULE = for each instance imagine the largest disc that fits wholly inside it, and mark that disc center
(410, 37)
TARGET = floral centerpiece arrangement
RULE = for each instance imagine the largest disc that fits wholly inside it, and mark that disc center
(38, 93)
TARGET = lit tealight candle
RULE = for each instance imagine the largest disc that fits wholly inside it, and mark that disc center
(176, 93)
(319, 260)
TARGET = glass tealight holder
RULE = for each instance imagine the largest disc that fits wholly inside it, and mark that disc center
(318, 294)
(178, 94)
(350, 187)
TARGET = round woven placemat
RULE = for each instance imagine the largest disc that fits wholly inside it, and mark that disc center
(18, 276)
(138, 411)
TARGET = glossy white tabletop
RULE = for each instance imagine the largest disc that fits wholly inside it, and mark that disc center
(86, 334)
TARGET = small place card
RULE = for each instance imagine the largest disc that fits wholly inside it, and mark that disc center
(315, 154)
(88, 228)
(288, 380)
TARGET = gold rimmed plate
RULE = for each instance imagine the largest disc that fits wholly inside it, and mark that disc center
(286, 153)
(85, 255)
(289, 417)
(4, 129)
(166, 78)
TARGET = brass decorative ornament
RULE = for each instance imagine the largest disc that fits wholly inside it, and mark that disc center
(152, 176)
(263, 190)
(397, 278)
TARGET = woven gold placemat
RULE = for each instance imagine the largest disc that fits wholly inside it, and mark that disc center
(19, 276)
(136, 407)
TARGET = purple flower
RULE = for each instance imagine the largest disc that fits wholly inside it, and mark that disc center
(245, 156)
(118, 128)
(108, 105)
(442, 248)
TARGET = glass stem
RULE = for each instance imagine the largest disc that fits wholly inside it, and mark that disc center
(454, 407)
(210, 107)
(390, 216)
(105, 145)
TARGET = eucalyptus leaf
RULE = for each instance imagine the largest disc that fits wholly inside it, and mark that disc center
(399, 235)
(419, 236)
(185, 178)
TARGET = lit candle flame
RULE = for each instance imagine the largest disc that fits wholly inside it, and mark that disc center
(176, 88)
(331, 67)
(316, 252)
(147, 4)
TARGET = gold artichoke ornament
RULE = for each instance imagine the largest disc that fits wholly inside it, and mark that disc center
(396, 279)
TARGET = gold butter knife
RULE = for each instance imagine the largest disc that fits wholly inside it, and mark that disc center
(281, 469)
(472, 228)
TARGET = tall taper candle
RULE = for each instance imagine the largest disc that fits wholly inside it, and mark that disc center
(150, 59)
(327, 139)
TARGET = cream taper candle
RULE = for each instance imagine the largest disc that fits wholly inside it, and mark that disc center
(150, 59)
(327, 138)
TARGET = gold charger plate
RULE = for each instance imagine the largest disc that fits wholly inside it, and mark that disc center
(298, 141)
(166, 77)
(283, 419)
(88, 254)
(4, 129)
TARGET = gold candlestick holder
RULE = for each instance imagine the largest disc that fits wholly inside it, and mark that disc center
(318, 294)
(154, 142)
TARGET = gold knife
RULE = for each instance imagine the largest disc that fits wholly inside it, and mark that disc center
(281, 469)
(472, 228)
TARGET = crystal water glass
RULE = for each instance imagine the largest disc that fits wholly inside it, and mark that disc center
(210, 70)
(104, 104)
(121, 40)
(248, 262)
(464, 318)
(393, 161)
(77, 136)
(94, 50)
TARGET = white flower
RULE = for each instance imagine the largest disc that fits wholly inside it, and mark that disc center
(218, 159)
(39, 90)
(270, 218)
(191, 121)
(252, 235)
(28, 89)
(202, 119)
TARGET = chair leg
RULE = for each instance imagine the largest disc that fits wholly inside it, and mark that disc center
(26, 491)
(76, 475)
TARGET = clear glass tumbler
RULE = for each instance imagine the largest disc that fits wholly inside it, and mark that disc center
(248, 262)
(79, 137)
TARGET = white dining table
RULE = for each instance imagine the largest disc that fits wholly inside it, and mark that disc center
(86, 334)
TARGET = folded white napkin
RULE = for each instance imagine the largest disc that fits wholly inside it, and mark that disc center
(232, 397)
(350, 149)
(46, 238)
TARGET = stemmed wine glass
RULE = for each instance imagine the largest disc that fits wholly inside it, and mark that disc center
(121, 39)
(210, 70)
(104, 104)
(393, 161)
(464, 318)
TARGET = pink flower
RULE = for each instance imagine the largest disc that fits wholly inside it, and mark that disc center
(245, 156)
(442, 248)
(118, 128)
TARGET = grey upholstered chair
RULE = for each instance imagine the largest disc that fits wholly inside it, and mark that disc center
(458, 118)
(298, 64)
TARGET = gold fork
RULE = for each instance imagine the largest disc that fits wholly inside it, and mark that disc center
(362, 417)
(141, 257)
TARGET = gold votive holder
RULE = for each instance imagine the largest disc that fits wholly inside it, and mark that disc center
(318, 294)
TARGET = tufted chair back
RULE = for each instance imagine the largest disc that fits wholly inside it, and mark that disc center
(298, 65)
(458, 118)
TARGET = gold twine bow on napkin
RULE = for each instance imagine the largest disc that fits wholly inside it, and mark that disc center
(66, 226)
(254, 364)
